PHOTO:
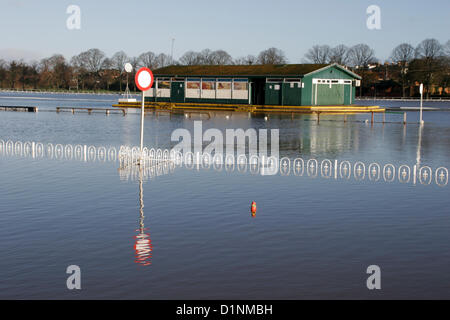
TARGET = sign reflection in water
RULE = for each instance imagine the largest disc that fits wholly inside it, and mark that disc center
(143, 244)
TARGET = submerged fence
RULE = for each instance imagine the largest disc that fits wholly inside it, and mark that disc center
(156, 162)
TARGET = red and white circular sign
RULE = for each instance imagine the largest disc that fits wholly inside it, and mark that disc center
(144, 79)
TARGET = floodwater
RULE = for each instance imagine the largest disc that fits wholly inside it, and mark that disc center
(317, 229)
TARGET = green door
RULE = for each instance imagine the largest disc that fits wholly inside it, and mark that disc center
(292, 94)
(347, 94)
(330, 94)
(177, 92)
(273, 93)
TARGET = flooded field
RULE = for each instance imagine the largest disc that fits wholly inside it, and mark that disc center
(346, 196)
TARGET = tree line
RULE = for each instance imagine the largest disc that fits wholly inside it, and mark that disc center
(93, 70)
(428, 63)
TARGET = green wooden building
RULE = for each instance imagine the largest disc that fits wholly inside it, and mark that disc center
(274, 85)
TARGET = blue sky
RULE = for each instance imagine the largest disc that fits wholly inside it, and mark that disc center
(34, 29)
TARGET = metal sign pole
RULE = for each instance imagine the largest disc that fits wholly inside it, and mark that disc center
(421, 104)
(142, 125)
(144, 81)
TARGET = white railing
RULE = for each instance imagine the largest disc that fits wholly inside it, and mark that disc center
(156, 162)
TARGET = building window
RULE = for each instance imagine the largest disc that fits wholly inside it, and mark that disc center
(292, 80)
(208, 85)
(193, 84)
(274, 80)
(163, 84)
(240, 86)
(224, 86)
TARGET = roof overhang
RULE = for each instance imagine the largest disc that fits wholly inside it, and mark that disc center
(338, 66)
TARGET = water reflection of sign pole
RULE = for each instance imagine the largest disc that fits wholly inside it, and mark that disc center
(419, 147)
(421, 104)
(144, 81)
(143, 245)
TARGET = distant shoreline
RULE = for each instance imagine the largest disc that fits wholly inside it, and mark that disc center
(87, 92)
(65, 92)
(402, 99)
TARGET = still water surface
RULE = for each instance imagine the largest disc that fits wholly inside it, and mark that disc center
(313, 237)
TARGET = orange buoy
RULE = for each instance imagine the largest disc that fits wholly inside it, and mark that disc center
(254, 207)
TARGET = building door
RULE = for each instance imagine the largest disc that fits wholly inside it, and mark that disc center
(274, 93)
(329, 93)
(177, 92)
(258, 91)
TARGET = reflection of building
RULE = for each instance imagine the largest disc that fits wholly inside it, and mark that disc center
(280, 85)
(328, 139)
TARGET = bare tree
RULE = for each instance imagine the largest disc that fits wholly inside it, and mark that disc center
(78, 68)
(93, 60)
(3, 72)
(221, 57)
(447, 48)
(318, 54)
(339, 55)
(134, 61)
(190, 58)
(163, 60)
(62, 72)
(148, 59)
(272, 56)
(361, 55)
(55, 71)
(23, 74)
(430, 51)
(88, 65)
(107, 73)
(207, 57)
(248, 60)
(34, 73)
(13, 72)
(118, 60)
(403, 55)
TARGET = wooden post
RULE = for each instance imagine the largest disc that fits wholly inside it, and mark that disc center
(404, 118)
(345, 118)
(318, 117)
(57, 109)
(372, 118)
